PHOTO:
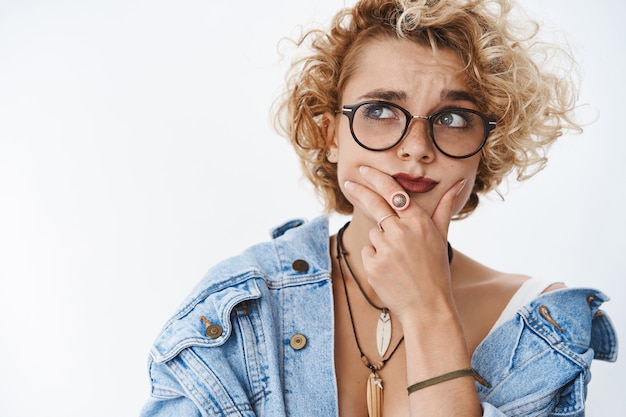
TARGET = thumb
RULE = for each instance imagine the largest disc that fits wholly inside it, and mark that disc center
(443, 212)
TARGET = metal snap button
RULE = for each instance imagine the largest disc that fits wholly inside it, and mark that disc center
(214, 331)
(300, 265)
(298, 341)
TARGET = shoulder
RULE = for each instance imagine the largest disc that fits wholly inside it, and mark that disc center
(298, 253)
(543, 355)
(274, 260)
(481, 294)
(492, 298)
(573, 317)
(469, 273)
(495, 293)
(547, 307)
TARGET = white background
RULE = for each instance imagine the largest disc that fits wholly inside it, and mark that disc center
(136, 151)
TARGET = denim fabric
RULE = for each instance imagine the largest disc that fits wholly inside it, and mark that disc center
(277, 294)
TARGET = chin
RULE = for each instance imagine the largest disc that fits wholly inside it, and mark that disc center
(427, 203)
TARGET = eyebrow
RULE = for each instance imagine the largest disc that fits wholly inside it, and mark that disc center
(387, 95)
(398, 95)
(457, 95)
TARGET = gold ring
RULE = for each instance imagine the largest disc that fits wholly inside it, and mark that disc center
(380, 227)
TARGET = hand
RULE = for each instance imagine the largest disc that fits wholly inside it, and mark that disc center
(407, 263)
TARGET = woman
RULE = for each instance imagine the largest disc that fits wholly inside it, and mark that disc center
(402, 114)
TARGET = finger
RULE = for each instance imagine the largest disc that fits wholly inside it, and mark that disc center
(443, 212)
(387, 187)
(367, 200)
(382, 219)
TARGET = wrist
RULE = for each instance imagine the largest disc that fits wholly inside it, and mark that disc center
(430, 314)
(437, 343)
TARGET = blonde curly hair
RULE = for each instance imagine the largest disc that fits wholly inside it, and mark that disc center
(505, 69)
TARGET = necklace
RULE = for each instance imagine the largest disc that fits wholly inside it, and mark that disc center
(383, 332)
(383, 327)
(374, 382)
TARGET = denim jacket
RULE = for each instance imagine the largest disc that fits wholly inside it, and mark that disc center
(255, 338)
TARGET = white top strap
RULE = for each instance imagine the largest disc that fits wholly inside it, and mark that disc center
(527, 292)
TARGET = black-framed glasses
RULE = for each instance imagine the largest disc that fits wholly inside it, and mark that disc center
(380, 125)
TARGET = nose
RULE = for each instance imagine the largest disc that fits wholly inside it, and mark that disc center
(417, 143)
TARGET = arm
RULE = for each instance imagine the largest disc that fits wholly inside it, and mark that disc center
(407, 266)
(435, 347)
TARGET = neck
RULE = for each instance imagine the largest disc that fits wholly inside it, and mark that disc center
(356, 236)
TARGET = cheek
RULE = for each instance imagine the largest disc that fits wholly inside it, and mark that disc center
(349, 158)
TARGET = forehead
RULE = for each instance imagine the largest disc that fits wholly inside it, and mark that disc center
(404, 65)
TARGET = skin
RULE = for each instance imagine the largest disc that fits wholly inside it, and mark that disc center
(443, 310)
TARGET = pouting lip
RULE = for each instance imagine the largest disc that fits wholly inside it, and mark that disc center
(415, 184)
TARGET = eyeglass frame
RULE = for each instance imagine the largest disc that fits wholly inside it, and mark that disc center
(350, 110)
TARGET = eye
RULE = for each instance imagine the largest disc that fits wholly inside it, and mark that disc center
(379, 111)
(454, 119)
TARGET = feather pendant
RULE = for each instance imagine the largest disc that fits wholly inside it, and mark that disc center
(383, 332)
(374, 396)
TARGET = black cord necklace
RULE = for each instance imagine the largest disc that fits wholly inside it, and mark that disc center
(383, 329)
(383, 332)
(374, 382)
(341, 254)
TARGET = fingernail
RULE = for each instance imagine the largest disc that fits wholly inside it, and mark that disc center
(461, 186)
(363, 169)
(349, 185)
